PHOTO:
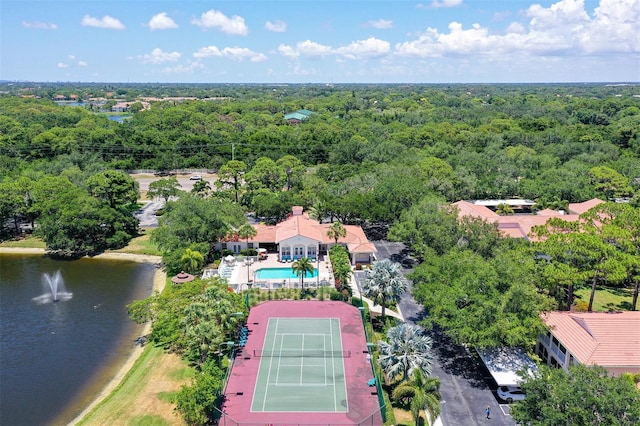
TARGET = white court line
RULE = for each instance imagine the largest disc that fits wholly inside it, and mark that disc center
(324, 347)
(302, 334)
(266, 391)
(333, 372)
(302, 361)
(344, 374)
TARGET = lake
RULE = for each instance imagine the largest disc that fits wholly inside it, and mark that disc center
(55, 357)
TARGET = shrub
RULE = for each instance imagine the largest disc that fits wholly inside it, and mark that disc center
(336, 295)
(581, 306)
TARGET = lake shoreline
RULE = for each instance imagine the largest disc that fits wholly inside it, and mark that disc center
(159, 281)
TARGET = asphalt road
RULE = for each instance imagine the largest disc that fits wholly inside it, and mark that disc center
(147, 214)
(467, 388)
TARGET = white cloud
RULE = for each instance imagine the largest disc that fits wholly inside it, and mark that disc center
(214, 19)
(162, 21)
(287, 50)
(62, 65)
(82, 64)
(183, 69)
(563, 28)
(37, 25)
(276, 27)
(380, 24)
(614, 27)
(562, 13)
(365, 49)
(106, 22)
(306, 48)
(236, 53)
(360, 49)
(445, 3)
(157, 56)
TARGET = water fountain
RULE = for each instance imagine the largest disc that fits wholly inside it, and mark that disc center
(54, 290)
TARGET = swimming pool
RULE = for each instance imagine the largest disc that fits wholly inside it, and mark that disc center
(281, 274)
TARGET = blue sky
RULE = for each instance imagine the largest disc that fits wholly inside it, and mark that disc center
(300, 41)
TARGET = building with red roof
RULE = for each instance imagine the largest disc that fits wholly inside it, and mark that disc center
(520, 225)
(607, 339)
(300, 236)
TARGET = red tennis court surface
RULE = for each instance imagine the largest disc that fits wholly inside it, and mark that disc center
(362, 399)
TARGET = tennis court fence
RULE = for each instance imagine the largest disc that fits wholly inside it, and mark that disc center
(374, 419)
(295, 353)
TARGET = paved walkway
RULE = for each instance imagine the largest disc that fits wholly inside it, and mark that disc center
(356, 283)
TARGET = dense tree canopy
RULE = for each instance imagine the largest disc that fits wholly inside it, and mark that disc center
(195, 222)
(482, 302)
(586, 395)
(393, 144)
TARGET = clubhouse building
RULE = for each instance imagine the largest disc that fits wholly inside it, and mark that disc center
(300, 236)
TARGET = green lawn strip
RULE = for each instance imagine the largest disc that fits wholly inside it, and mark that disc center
(138, 245)
(148, 420)
(27, 242)
(141, 245)
(607, 298)
(132, 384)
(182, 374)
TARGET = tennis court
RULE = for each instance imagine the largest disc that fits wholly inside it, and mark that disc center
(301, 367)
(305, 362)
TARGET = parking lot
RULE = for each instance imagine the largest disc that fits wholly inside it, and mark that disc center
(147, 214)
(467, 387)
(186, 184)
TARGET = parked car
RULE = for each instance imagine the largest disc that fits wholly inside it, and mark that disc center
(510, 393)
(195, 177)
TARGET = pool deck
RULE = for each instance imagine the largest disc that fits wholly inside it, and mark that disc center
(243, 273)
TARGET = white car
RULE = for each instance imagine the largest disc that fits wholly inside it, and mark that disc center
(511, 393)
(195, 177)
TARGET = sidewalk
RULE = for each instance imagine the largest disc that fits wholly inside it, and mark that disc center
(373, 309)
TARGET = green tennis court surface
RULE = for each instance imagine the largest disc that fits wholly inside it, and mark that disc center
(301, 367)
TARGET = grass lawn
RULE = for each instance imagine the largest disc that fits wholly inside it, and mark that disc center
(26, 242)
(141, 245)
(607, 298)
(144, 396)
(138, 245)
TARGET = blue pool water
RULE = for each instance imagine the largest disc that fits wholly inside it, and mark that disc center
(281, 274)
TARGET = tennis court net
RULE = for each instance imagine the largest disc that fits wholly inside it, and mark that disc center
(295, 353)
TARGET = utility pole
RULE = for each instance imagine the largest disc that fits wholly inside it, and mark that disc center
(233, 151)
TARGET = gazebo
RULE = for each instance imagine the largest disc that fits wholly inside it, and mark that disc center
(182, 277)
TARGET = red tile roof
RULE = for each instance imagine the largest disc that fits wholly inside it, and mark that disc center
(607, 339)
(298, 225)
(303, 225)
(466, 208)
(548, 213)
(579, 208)
(519, 225)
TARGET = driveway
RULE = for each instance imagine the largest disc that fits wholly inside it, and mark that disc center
(464, 383)
(146, 215)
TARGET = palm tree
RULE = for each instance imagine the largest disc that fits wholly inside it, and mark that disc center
(247, 231)
(504, 209)
(407, 349)
(384, 283)
(420, 393)
(336, 231)
(192, 260)
(301, 266)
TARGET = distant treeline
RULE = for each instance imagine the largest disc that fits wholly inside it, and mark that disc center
(469, 141)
